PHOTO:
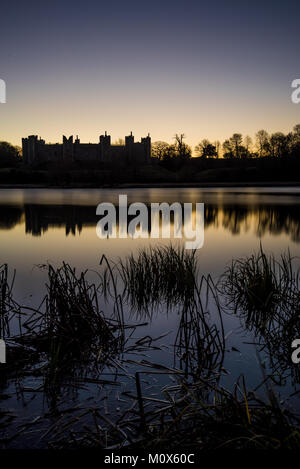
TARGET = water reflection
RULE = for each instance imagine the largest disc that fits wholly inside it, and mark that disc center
(258, 219)
(10, 216)
(32, 226)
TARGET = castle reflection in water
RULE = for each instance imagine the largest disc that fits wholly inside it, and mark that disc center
(258, 219)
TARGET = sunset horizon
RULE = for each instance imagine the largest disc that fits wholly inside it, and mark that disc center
(203, 71)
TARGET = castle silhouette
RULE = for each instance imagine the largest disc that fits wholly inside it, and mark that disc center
(36, 151)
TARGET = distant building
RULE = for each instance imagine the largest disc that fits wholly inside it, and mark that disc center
(36, 151)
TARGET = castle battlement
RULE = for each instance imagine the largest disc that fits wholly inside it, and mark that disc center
(36, 151)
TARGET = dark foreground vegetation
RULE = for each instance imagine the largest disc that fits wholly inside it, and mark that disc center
(69, 343)
(194, 171)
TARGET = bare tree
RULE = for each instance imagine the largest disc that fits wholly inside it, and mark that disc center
(262, 142)
(236, 141)
(183, 150)
(205, 149)
(278, 145)
(296, 129)
(217, 144)
(228, 150)
(159, 149)
(248, 144)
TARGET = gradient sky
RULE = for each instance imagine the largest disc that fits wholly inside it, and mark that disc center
(207, 69)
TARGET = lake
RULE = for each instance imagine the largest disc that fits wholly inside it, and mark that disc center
(40, 226)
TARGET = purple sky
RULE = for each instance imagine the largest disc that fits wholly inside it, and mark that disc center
(207, 69)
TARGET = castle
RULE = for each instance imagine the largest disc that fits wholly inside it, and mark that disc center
(36, 151)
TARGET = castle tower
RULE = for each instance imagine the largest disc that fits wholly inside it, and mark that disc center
(104, 147)
(25, 150)
(129, 143)
(147, 145)
(129, 140)
(68, 151)
(29, 148)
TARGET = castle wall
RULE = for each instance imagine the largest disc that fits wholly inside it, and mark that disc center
(49, 152)
(36, 151)
(86, 152)
(139, 154)
(117, 153)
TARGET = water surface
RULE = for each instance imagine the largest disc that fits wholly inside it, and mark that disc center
(40, 226)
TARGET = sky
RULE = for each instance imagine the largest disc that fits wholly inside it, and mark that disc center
(205, 69)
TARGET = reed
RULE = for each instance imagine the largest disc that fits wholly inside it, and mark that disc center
(259, 288)
(264, 293)
(168, 277)
(158, 276)
(8, 307)
(69, 334)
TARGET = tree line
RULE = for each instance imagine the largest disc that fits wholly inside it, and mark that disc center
(9, 154)
(265, 145)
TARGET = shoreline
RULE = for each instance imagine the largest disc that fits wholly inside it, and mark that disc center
(155, 185)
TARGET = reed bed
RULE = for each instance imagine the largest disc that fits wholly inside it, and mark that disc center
(71, 343)
(65, 342)
(73, 312)
(264, 293)
(168, 277)
(199, 345)
(237, 420)
(9, 308)
(158, 276)
(198, 416)
(259, 288)
(70, 311)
